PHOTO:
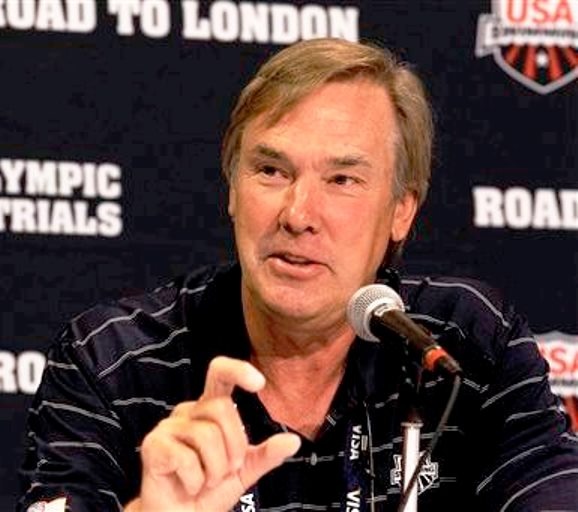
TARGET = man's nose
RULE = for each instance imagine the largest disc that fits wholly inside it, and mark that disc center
(302, 203)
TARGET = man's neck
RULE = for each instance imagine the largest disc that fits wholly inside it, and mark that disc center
(303, 369)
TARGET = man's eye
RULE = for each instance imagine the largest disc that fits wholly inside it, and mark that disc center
(343, 179)
(268, 170)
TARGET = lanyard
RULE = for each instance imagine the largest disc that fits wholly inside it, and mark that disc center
(356, 466)
(356, 470)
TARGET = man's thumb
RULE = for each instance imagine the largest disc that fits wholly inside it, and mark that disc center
(268, 455)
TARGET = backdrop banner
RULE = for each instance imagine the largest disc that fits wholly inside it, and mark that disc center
(111, 117)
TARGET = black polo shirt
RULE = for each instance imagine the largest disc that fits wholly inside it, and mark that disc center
(119, 368)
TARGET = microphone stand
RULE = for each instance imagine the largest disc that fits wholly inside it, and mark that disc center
(411, 427)
(410, 457)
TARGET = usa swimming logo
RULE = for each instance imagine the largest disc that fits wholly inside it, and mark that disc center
(533, 41)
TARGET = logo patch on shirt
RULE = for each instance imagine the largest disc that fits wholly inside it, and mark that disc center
(428, 475)
(57, 505)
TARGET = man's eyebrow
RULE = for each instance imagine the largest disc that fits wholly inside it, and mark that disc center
(346, 161)
(337, 162)
(269, 152)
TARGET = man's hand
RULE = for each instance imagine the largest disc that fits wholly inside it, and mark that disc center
(199, 458)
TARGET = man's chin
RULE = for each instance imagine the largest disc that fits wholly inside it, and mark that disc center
(300, 306)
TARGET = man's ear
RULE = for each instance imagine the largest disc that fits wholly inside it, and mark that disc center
(403, 216)
(231, 208)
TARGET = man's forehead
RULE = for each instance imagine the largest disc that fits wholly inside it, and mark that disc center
(286, 103)
(275, 117)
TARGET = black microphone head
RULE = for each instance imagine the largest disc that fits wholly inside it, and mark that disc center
(369, 300)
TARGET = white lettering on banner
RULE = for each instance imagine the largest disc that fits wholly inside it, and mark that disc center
(154, 16)
(561, 352)
(49, 15)
(59, 217)
(520, 208)
(64, 179)
(21, 373)
(221, 20)
(268, 23)
(76, 198)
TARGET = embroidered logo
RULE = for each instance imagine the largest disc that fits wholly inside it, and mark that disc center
(428, 475)
(533, 41)
(57, 505)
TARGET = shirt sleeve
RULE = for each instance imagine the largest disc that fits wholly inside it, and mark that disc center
(528, 451)
(75, 446)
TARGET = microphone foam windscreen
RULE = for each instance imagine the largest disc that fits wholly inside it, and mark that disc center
(365, 302)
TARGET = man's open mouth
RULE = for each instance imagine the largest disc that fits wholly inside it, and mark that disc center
(293, 258)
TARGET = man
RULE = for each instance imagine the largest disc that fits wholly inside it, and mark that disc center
(245, 388)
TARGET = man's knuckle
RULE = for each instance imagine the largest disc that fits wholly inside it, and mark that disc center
(183, 408)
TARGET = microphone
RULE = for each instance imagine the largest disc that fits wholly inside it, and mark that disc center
(376, 310)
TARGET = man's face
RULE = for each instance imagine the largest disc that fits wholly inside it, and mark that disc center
(312, 203)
